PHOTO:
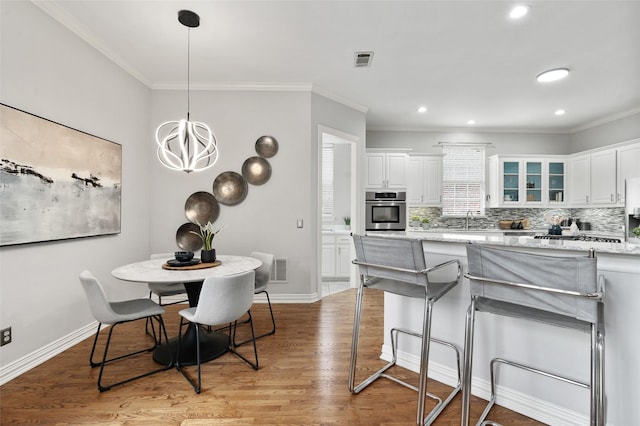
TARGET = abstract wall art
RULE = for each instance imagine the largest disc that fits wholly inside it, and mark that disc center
(55, 182)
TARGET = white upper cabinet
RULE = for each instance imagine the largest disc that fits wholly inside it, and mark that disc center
(628, 166)
(530, 182)
(603, 177)
(386, 170)
(579, 180)
(424, 180)
(597, 178)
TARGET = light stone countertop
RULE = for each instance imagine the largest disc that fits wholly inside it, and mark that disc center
(494, 237)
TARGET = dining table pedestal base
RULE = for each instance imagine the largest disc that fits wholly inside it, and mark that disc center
(212, 345)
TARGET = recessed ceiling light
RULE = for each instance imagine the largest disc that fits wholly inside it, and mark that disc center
(560, 112)
(552, 75)
(470, 122)
(519, 11)
(422, 109)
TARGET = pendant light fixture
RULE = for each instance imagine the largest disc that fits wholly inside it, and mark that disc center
(189, 146)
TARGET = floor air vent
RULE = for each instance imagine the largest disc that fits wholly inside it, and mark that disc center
(363, 59)
(279, 272)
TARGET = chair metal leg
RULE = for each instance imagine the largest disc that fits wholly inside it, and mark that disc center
(196, 386)
(426, 339)
(232, 346)
(105, 361)
(468, 362)
(424, 359)
(354, 339)
(268, 333)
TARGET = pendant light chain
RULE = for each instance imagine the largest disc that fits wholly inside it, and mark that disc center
(188, 73)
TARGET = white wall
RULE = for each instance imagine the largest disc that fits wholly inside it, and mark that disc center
(48, 71)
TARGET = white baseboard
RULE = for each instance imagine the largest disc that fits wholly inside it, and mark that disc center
(45, 353)
(519, 402)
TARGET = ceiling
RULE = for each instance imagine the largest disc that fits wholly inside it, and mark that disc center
(461, 59)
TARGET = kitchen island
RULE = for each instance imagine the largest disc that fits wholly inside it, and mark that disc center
(559, 350)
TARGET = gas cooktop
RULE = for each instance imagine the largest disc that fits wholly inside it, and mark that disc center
(592, 238)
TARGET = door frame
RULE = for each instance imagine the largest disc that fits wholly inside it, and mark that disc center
(354, 141)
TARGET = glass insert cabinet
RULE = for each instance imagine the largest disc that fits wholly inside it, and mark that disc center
(517, 181)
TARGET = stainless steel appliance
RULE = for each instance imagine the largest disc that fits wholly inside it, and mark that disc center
(386, 211)
(632, 209)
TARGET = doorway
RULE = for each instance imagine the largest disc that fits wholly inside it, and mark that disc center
(337, 210)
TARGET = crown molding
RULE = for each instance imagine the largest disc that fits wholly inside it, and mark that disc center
(469, 130)
(339, 98)
(607, 119)
(237, 86)
(85, 34)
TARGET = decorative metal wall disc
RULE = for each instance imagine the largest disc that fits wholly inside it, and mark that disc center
(201, 207)
(266, 146)
(230, 188)
(256, 170)
(186, 240)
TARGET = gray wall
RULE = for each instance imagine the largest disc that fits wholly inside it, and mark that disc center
(503, 143)
(620, 130)
(266, 219)
(48, 71)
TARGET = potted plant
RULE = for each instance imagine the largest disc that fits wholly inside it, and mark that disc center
(414, 221)
(206, 234)
(425, 222)
(347, 221)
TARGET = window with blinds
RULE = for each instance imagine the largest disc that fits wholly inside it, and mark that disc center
(327, 180)
(463, 180)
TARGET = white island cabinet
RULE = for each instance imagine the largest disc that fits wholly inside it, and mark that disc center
(560, 350)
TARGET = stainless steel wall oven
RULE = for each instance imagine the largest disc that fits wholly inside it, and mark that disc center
(386, 211)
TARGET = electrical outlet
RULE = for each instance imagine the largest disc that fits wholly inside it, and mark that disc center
(6, 336)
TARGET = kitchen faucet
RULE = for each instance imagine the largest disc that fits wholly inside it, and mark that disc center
(469, 215)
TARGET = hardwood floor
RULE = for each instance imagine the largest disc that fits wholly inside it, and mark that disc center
(302, 380)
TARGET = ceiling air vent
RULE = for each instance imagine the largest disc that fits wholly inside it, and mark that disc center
(363, 59)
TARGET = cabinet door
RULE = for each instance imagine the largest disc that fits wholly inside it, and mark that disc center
(628, 166)
(328, 260)
(579, 178)
(432, 192)
(603, 177)
(533, 182)
(375, 170)
(415, 180)
(395, 171)
(343, 258)
(555, 184)
(493, 191)
(511, 182)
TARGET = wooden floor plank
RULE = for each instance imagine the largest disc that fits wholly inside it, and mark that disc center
(302, 379)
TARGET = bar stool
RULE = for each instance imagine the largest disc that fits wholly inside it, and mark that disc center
(560, 291)
(398, 266)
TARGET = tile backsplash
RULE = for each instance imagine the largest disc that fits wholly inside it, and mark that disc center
(601, 219)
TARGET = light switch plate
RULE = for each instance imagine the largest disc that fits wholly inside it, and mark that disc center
(300, 223)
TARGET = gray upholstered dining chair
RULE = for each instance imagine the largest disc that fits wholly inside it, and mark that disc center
(115, 313)
(223, 300)
(562, 291)
(263, 276)
(399, 266)
(164, 290)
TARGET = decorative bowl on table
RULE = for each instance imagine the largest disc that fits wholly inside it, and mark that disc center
(183, 256)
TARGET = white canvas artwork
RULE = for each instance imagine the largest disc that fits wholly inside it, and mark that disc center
(55, 182)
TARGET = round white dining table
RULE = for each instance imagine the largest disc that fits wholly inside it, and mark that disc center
(212, 343)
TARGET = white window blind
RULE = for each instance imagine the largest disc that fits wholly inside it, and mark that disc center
(462, 180)
(327, 180)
